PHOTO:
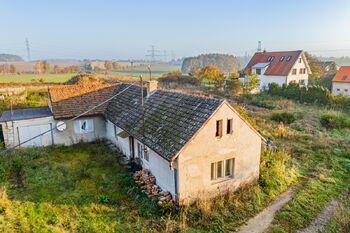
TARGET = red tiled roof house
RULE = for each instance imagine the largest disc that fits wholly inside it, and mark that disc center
(279, 67)
(341, 81)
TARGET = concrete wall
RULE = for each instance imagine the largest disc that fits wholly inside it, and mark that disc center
(340, 88)
(67, 137)
(194, 161)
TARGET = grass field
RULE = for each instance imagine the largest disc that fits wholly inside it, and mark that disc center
(157, 71)
(71, 189)
(27, 78)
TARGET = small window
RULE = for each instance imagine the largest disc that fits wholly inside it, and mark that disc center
(84, 126)
(270, 58)
(346, 90)
(294, 71)
(145, 152)
(344, 77)
(338, 89)
(258, 71)
(282, 58)
(289, 58)
(302, 82)
(299, 60)
(302, 71)
(222, 169)
(229, 126)
(139, 150)
(218, 129)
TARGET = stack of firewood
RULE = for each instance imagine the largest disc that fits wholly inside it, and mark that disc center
(147, 182)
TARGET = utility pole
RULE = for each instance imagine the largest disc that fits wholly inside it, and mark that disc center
(28, 50)
(153, 53)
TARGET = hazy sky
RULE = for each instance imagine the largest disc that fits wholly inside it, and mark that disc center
(125, 29)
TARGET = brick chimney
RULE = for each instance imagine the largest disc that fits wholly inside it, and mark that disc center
(151, 86)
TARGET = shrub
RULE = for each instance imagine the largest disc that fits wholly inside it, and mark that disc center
(285, 117)
(333, 120)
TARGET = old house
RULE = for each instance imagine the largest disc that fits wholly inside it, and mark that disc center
(196, 147)
(341, 81)
(279, 67)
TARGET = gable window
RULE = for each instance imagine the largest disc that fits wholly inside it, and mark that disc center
(294, 71)
(344, 77)
(218, 132)
(229, 126)
(299, 60)
(302, 71)
(282, 58)
(84, 126)
(222, 169)
(258, 71)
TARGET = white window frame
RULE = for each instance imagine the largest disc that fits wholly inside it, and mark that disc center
(89, 124)
(214, 177)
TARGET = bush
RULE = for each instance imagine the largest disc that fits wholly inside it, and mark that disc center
(333, 120)
(285, 117)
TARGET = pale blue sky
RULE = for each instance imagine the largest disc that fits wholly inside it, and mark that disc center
(125, 29)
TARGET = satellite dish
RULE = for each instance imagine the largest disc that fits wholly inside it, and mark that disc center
(61, 126)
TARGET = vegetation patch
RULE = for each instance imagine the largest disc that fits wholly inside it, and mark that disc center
(335, 120)
(284, 117)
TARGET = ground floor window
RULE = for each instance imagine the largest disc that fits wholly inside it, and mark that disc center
(84, 126)
(222, 169)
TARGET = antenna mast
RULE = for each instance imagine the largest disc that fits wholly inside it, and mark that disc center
(28, 49)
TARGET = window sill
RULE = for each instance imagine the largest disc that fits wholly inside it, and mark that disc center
(221, 180)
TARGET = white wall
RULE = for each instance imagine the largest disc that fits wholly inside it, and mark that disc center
(296, 78)
(340, 88)
(266, 80)
(67, 137)
(122, 143)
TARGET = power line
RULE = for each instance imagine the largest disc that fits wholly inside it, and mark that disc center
(72, 119)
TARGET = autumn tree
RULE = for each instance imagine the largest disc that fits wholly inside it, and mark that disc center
(210, 73)
(57, 69)
(12, 69)
(251, 83)
(42, 67)
(108, 65)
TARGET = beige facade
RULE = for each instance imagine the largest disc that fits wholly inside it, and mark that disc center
(194, 161)
(341, 88)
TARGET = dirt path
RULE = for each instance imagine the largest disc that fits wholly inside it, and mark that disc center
(262, 221)
(321, 220)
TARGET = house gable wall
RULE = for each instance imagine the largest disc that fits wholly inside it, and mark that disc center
(194, 161)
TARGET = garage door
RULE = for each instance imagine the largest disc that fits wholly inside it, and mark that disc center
(27, 132)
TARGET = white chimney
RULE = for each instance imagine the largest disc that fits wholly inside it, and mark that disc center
(151, 86)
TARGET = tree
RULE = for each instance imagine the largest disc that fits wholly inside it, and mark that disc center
(37, 67)
(251, 83)
(42, 67)
(108, 65)
(46, 66)
(57, 69)
(210, 73)
(12, 69)
(316, 67)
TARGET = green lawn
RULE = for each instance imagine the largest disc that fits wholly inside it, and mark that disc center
(157, 71)
(71, 189)
(27, 78)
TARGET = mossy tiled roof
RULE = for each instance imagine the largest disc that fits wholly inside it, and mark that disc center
(171, 118)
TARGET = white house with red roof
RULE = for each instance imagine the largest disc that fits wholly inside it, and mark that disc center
(279, 67)
(341, 81)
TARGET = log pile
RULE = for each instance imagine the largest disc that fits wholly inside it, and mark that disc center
(147, 182)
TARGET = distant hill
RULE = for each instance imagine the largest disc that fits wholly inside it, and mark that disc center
(341, 61)
(10, 57)
(226, 63)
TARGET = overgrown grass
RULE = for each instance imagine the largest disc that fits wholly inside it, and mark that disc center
(25, 99)
(322, 153)
(71, 189)
(340, 221)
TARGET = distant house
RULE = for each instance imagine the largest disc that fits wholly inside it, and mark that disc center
(329, 66)
(341, 81)
(279, 67)
(196, 147)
